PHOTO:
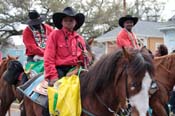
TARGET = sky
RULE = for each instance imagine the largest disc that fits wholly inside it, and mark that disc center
(168, 12)
(169, 9)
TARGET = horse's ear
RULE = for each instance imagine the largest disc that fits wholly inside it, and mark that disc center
(8, 56)
(90, 41)
(125, 52)
(144, 49)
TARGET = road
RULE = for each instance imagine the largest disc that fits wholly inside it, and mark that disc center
(14, 110)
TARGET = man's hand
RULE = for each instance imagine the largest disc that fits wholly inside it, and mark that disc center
(85, 53)
(51, 82)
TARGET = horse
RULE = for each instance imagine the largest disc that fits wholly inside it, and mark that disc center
(7, 91)
(124, 76)
(165, 78)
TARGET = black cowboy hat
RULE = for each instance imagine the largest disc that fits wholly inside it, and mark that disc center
(34, 18)
(68, 11)
(125, 18)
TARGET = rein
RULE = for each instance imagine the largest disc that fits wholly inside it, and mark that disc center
(108, 108)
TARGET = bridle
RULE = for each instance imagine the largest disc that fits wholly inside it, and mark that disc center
(17, 78)
(123, 111)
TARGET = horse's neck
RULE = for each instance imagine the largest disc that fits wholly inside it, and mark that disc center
(165, 77)
(2, 69)
(6, 96)
(94, 102)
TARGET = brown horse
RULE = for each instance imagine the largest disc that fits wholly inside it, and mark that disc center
(116, 79)
(7, 93)
(165, 77)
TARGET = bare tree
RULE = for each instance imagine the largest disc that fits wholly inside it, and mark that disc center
(101, 15)
(147, 9)
(12, 13)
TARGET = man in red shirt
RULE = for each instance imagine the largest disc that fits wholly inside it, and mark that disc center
(65, 47)
(35, 35)
(126, 37)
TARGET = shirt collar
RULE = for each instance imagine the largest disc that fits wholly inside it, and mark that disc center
(68, 32)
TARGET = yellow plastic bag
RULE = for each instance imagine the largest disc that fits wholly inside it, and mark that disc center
(65, 98)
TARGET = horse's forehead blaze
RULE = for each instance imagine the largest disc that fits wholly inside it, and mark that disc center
(141, 100)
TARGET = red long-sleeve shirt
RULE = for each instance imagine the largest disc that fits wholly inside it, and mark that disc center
(123, 39)
(62, 51)
(31, 46)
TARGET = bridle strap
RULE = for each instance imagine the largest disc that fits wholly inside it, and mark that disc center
(126, 89)
(20, 76)
(87, 112)
(108, 108)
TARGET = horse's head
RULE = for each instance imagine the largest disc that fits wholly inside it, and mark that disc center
(121, 77)
(5, 62)
(138, 71)
(7, 91)
(15, 76)
(14, 73)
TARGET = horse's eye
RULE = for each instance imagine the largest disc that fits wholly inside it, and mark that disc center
(134, 85)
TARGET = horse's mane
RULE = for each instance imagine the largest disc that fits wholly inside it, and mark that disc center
(103, 73)
(3, 66)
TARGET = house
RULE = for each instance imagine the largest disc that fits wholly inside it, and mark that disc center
(18, 50)
(148, 32)
(169, 34)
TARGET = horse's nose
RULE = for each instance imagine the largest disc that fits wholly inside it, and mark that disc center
(153, 87)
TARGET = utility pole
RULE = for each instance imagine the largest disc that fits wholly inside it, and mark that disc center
(137, 8)
(124, 7)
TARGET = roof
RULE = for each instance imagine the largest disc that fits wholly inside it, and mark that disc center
(168, 25)
(142, 29)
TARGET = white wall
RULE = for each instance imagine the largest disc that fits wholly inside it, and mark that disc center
(169, 39)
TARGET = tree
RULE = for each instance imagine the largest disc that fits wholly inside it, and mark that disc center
(11, 15)
(149, 10)
(101, 15)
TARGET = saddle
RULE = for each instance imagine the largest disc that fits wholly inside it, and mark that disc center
(36, 88)
(28, 90)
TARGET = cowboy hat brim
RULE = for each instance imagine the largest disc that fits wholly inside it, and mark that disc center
(58, 17)
(37, 21)
(123, 19)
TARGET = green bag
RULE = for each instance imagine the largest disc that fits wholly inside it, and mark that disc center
(34, 68)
